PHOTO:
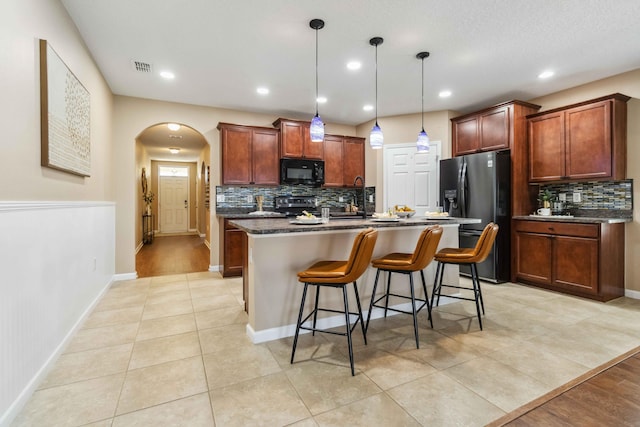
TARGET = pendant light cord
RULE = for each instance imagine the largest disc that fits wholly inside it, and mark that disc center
(422, 94)
(316, 71)
(376, 84)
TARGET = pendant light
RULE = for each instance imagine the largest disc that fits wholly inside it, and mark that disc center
(423, 138)
(317, 127)
(375, 138)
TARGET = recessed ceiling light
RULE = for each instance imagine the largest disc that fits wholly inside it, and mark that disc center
(174, 150)
(321, 100)
(444, 94)
(354, 65)
(545, 74)
(173, 126)
(367, 107)
(167, 75)
(262, 90)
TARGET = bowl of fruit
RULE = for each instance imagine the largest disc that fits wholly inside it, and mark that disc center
(404, 211)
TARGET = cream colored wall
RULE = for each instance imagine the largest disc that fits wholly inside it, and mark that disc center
(23, 23)
(132, 116)
(400, 130)
(627, 84)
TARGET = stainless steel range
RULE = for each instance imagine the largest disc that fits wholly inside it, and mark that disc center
(294, 205)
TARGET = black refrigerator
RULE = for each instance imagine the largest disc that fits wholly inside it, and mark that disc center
(479, 186)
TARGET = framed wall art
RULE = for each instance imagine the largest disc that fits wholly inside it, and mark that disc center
(64, 116)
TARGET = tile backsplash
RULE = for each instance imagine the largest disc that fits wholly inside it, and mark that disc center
(237, 196)
(612, 195)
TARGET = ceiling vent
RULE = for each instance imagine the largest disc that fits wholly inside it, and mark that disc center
(142, 67)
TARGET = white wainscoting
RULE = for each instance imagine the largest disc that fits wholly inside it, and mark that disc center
(56, 260)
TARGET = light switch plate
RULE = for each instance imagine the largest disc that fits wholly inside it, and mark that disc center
(341, 199)
(577, 197)
(562, 197)
(220, 198)
(370, 198)
(249, 198)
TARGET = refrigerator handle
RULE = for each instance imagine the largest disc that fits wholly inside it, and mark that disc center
(462, 185)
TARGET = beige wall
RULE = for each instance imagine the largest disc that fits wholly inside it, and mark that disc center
(132, 116)
(401, 130)
(23, 23)
(627, 84)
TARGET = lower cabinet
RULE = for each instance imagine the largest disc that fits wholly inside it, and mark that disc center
(232, 249)
(576, 258)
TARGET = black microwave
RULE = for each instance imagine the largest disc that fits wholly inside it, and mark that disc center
(302, 171)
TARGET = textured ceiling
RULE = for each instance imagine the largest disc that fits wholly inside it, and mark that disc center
(483, 51)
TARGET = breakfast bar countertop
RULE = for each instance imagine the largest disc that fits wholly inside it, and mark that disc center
(284, 225)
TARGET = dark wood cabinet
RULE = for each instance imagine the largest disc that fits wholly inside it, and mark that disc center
(585, 141)
(249, 155)
(343, 160)
(577, 258)
(295, 140)
(502, 126)
(487, 130)
(232, 249)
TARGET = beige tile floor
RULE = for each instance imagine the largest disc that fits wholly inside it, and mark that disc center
(173, 351)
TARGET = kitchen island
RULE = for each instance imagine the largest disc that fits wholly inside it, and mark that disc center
(277, 250)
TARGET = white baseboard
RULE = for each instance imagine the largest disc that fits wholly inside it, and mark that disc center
(215, 268)
(632, 294)
(124, 276)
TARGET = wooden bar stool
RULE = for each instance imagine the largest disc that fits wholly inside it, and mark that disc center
(337, 274)
(407, 263)
(471, 256)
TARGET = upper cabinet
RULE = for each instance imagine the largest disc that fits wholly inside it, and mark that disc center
(295, 140)
(585, 141)
(487, 130)
(249, 155)
(343, 160)
(502, 126)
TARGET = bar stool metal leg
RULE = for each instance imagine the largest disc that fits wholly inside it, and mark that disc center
(364, 330)
(426, 297)
(373, 295)
(346, 315)
(413, 308)
(295, 338)
(315, 311)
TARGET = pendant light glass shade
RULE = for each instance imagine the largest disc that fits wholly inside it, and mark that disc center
(376, 139)
(316, 129)
(423, 142)
(423, 138)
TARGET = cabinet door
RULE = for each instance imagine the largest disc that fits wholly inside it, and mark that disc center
(353, 161)
(233, 251)
(576, 264)
(465, 136)
(311, 150)
(588, 141)
(333, 171)
(266, 161)
(296, 141)
(494, 130)
(236, 155)
(546, 147)
(533, 262)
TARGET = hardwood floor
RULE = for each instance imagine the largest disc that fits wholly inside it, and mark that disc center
(607, 396)
(172, 255)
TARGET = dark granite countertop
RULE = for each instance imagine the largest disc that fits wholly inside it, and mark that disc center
(246, 213)
(592, 216)
(284, 225)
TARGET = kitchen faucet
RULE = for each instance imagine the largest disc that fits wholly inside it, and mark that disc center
(364, 197)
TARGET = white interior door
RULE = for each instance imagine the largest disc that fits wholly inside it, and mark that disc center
(411, 178)
(174, 204)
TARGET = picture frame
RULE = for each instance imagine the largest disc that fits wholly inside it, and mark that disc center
(65, 111)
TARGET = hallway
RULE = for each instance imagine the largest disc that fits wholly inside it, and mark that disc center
(173, 255)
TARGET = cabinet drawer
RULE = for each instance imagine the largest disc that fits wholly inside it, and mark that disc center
(559, 228)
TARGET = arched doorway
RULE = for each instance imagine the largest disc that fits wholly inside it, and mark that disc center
(173, 158)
